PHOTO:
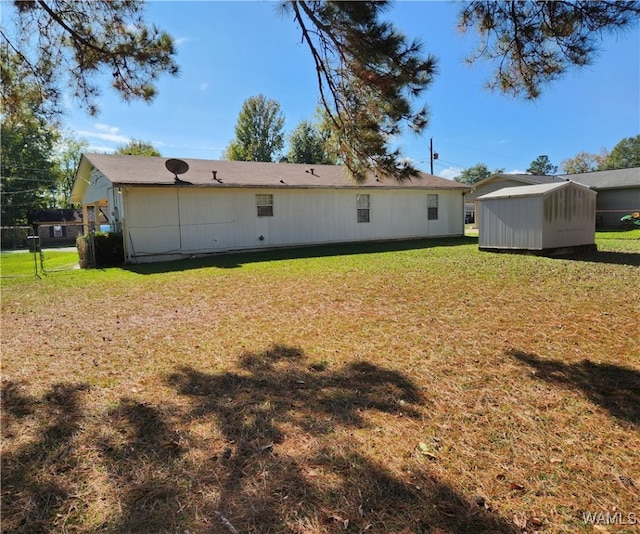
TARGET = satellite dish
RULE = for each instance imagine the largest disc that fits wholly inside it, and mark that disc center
(176, 166)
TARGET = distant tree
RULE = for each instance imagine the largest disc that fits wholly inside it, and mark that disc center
(542, 166)
(534, 43)
(624, 155)
(259, 131)
(67, 160)
(65, 43)
(27, 167)
(138, 148)
(476, 173)
(583, 162)
(308, 143)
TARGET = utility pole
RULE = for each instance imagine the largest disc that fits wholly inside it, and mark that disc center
(434, 155)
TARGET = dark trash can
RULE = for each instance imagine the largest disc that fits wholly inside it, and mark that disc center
(34, 243)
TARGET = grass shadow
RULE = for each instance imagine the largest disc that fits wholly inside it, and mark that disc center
(234, 260)
(34, 478)
(264, 447)
(614, 258)
(615, 388)
(269, 485)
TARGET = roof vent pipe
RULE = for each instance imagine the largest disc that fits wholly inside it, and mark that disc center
(214, 175)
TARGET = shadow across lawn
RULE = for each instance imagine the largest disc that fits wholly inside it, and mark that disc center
(268, 484)
(615, 258)
(234, 260)
(33, 490)
(615, 388)
(266, 446)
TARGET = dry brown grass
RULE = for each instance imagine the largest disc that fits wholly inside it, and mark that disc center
(424, 388)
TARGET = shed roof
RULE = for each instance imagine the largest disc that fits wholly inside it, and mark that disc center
(145, 170)
(530, 179)
(611, 179)
(530, 190)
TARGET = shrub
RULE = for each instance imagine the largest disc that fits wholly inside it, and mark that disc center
(108, 249)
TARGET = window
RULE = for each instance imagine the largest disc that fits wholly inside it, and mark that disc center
(264, 203)
(363, 205)
(432, 207)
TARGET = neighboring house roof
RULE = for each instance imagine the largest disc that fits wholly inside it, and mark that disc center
(530, 179)
(611, 179)
(529, 190)
(144, 170)
(53, 215)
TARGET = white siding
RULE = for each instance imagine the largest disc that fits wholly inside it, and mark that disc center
(97, 188)
(162, 222)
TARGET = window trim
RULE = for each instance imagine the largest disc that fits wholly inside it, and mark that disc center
(264, 204)
(363, 213)
(432, 207)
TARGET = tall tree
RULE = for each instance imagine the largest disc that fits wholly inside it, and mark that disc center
(542, 166)
(534, 43)
(624, 155)
(57, 44)
(259, 131)
(476, 173)
(308, 143)
(138, 148)
(583, 162)
(369, 76)
(67, 161)
(27, 168)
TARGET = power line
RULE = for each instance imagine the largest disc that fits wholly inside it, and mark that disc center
(481, 150)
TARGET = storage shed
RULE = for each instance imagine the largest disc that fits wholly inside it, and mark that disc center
(219, 206)
(543, 218)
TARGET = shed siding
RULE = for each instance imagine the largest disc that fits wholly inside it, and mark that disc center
(568, 218)
(169, 221)
(512, 224)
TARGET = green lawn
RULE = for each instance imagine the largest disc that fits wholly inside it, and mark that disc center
(422, 387)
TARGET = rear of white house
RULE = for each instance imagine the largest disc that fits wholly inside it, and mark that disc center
(221, 206)
(541, 217)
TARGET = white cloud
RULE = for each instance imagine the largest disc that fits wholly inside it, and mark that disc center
(104, 132)
(450, 173)
(100, 149)
(203, 86)
(516, 171)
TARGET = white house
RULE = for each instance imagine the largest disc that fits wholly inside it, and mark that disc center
(543, 217)
(220, 206)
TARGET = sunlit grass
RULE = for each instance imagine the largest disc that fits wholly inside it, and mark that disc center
(404, 387)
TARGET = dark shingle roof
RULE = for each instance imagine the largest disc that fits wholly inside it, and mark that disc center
(611, 179)
(143, 170)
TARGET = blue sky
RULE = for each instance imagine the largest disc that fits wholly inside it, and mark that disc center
(230, 51)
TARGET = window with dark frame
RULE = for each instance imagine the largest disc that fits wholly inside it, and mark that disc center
(432, 207)
(264, 205)
(363, 205)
